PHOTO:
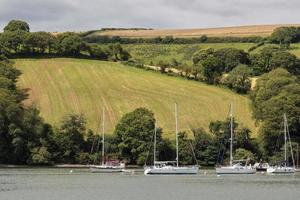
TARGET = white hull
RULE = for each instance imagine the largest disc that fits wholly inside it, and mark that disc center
(280, 170)
(169, 170)
(106, 169)
(235, 170)
(297, 170)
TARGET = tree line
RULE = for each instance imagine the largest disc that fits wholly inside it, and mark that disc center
(17, 40)
(103, 39)
(230, 67)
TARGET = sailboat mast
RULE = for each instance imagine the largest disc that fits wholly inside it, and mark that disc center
(297, 155)
(154, 149)
(103, 130)
(231, 135)
(176, 126)
(285, 139)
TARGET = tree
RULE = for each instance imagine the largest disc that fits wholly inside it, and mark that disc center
(275, 93)
(232, 57)
(238, 79)
(40, 41)
(285, 35)
(205, 147)
(70, 137)
(70, 44)
(118, 53)
(17, 25)
(13, 40)
(97, 52)
(212, 69)
(134, 134)
(261, 62)
(185, 149)
(285, 60)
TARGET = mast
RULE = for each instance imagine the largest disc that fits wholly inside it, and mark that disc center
(176, 126)
(285, 138)
(154, 149)
(103, 118)
(297, 155)
(290, 142)
(231, 135)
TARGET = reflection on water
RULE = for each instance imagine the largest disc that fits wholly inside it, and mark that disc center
(80, 184)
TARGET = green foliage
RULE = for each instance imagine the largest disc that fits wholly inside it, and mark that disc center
(185, 149)
(118, 53)
(41, 156)
(98, 52)
(205, 147)
(70, 44)
(243, 154)
(70, 138)
(276, 93)
(134, 133)
(238, 79)
(270, 58)
(285, 35)
(212, 69)
(17, 25)
(232, 57)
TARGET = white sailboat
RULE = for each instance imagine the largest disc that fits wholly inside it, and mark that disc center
(106, 167)
(236, 168)
(169, 167)
(284, 169)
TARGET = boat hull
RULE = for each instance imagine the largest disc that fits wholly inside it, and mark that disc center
(171, 170)
(281, 170)
(297, 170)
(235, 170)
(106, 169)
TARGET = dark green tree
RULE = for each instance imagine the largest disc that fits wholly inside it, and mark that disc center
(134, 134)
(238, 79)
(17, 25)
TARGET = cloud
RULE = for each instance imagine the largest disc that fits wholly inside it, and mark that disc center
(61, 15)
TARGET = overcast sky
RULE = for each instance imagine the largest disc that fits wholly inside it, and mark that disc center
(61, 15)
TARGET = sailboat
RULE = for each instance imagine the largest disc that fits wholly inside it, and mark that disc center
(106, 167)
(169, 167)
(284, 169)
(237, 168)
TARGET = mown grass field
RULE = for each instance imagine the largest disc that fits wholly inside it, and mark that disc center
(60, 86)
(239, 31)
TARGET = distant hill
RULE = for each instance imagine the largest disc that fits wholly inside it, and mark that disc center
(60, 86)
(239, 31)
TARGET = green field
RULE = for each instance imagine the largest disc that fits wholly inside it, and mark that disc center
(60, 86)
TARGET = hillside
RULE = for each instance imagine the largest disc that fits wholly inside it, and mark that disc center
(239, 31)
(60, 86)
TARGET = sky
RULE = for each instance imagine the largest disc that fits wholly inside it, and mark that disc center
(81, 15)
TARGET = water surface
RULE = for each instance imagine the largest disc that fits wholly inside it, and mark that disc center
(80, 184)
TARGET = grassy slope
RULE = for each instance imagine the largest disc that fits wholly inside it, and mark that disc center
(61, 86)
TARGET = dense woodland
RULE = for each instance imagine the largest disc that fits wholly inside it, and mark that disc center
(25, 138)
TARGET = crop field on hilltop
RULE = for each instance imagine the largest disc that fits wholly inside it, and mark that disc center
(239, 31)
(61, 86)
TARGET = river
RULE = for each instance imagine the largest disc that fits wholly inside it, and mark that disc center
(80, 184)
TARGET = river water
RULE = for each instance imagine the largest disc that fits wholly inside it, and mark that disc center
(80, 184)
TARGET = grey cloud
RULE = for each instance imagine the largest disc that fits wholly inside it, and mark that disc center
(59, 15)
